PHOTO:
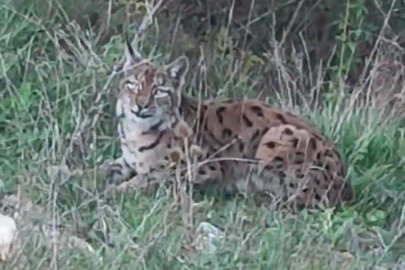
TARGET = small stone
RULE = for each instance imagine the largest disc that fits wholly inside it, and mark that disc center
(8, 234)
(207, 237)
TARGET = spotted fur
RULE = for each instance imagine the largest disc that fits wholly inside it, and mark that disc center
(250, 147)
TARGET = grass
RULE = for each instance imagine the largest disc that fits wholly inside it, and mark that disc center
(57, 127)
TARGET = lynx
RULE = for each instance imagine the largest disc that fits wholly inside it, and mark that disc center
(246, 146)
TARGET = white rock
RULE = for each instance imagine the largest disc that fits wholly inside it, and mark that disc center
(8, 233)
(208, 237)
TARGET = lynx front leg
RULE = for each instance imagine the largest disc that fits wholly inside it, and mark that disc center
(118, 171)
(139, 182)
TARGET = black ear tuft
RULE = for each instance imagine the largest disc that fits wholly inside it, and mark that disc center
(132, 56)
(129, 47)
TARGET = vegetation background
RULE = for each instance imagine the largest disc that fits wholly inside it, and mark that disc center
(339, 64)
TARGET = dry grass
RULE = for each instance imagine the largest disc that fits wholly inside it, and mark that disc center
(57, 128)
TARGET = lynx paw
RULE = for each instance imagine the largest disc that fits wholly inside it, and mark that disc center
(112, 173)
(138, 182)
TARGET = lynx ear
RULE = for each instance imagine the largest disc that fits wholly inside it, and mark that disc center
(132, 56)
(177, 70)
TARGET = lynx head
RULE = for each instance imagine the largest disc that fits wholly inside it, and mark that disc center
(150, 94)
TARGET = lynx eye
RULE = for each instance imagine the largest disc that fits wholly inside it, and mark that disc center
(130, 85)
(160, 92)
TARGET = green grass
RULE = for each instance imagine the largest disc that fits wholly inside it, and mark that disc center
(48, 120)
